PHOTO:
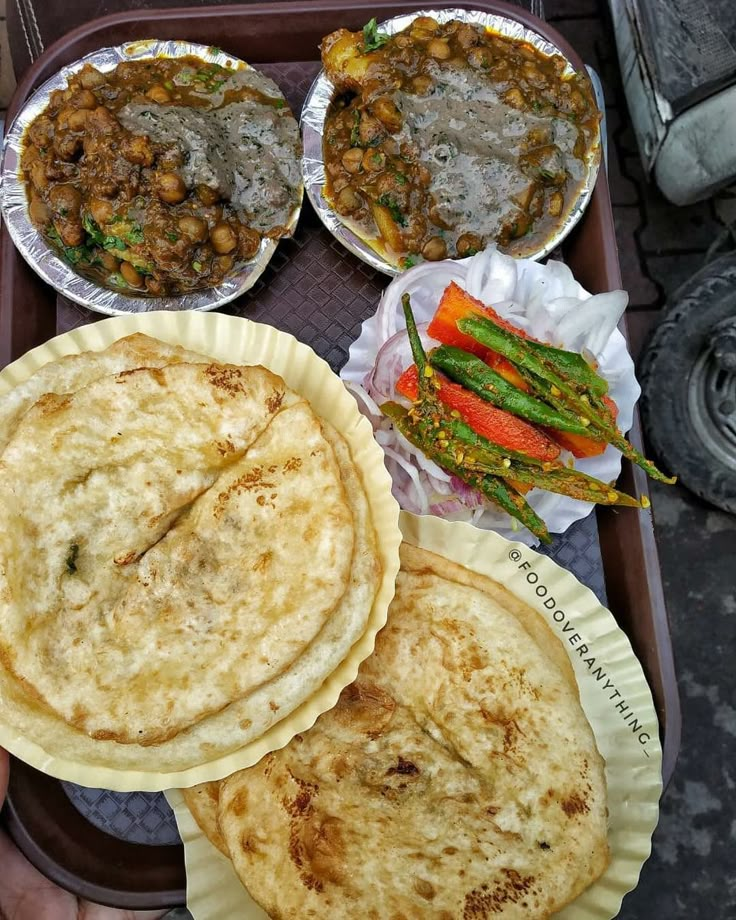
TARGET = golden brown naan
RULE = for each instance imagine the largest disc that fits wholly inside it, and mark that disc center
(202, 801)
(456, 778)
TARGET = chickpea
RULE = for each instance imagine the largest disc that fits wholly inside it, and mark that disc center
(352, 158)
(102, 120)
(421, 35)
(62, 117)
(434, 249)
(480, 58)
(439, 49)
(132, 276)
(370, 129)
(77, 120)
(67, 146)
(108, 260)
(159, 93)
(373, 160)
(225, 263)
(341, 181)
(91, 78)
(170, 188)
(515, 98)
(208, 196)
(468, 244)
(194, 228)
(83, 99)
(65, 200)
(101, 210)
(386, 112)
(70, 231)
(422, 84)
(40, 214)
(390, 147)
(60, 172)
(348, 201)
(136, 148)
(92, 144)
(467, 36)
(437, 219)
(223, 238)
(388, 184)
(108, 188)
(41, 131)
(249, 242)
(38, 175)
(425, 22)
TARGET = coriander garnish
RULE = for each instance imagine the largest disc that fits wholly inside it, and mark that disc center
(71, 559)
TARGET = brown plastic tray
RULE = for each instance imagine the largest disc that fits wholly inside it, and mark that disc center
(83, 839)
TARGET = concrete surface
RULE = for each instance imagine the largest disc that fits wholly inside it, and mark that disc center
(692, 871)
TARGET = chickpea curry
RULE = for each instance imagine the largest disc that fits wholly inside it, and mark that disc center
(161, 176)
(446, 137)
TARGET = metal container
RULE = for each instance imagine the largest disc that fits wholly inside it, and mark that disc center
(45, 260)
(322, 94)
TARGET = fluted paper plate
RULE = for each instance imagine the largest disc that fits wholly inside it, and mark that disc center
(613, 691)
(38, 737)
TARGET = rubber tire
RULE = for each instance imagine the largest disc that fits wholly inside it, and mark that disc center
(701, 303)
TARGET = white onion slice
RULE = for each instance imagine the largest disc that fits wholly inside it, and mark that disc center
(413, 474)
(591, 325)
(393, 357)
(365, 403)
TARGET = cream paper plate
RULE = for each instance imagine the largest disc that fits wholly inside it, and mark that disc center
(37, 738)
(614, 693)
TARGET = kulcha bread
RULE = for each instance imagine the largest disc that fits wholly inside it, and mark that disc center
(458, 776)
(202, 574)
(203, 801)
(72, 372)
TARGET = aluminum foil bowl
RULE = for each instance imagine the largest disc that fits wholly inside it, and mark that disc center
(41, 256)
(323, 92)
